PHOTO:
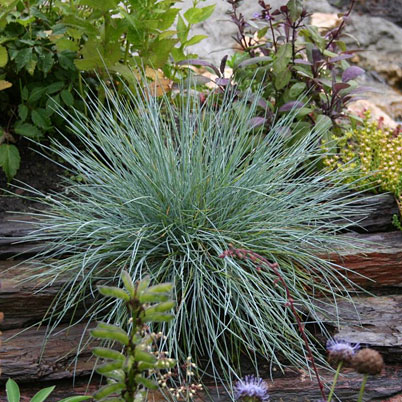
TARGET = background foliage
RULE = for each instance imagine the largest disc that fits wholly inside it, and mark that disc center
(50, 51)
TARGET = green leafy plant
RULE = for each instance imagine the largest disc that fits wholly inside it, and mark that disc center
(293, 57)
(300, 67)
(47, 49)
(13, 394)
(128, 372)
(34, 76)
(372, 154)
(167, 187)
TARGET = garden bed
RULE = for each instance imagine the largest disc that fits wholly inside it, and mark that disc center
(380, 325)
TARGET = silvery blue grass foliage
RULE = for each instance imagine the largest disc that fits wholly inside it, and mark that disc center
(167, 187)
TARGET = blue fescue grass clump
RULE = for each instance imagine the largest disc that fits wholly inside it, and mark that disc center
(167, 187)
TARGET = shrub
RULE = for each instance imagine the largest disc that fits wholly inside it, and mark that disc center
(293, 57)
(166, 188)
(46, 48)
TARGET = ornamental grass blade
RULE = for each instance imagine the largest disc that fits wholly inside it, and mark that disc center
(169, 185)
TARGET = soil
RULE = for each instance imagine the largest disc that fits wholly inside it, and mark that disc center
(37, 172)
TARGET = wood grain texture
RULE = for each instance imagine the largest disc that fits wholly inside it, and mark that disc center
(24, 359)
(377, 259)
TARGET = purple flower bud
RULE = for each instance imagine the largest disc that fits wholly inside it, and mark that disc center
(340, 350)
(251, 387)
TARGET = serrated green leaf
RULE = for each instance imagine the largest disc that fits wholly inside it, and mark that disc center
(108, 390)
(41, 119)
(23, 58)
(9, 160)
(196, 15)
(31, 65)
(106, 353)
(66, 44)
(67, 98)
(23, 112)
(45, 62)
(25, 21)
(159, 52)
(52, 104)
(12, 389)
(27, 130)
(41, 395)
(166, 20)
(36, 94)
(3, 56)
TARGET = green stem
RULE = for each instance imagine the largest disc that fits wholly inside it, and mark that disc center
(81, 89)
(360, 399)
(338, 370)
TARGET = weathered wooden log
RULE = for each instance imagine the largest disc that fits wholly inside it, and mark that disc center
(378, 257)
(25, 357)
(13, 228)
(25, 303)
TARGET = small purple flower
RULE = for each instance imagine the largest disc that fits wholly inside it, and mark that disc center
(251, 388)
(340, 350)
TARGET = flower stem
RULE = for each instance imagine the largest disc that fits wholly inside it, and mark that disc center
(338, 370)
(261, 261)
(363, 386)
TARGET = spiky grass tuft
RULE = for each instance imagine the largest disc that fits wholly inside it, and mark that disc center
(166, 189)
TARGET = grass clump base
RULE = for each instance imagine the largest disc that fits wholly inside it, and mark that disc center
(167, 187)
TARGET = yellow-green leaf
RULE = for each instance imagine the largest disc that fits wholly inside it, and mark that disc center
(4, 85)
(3, 56)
